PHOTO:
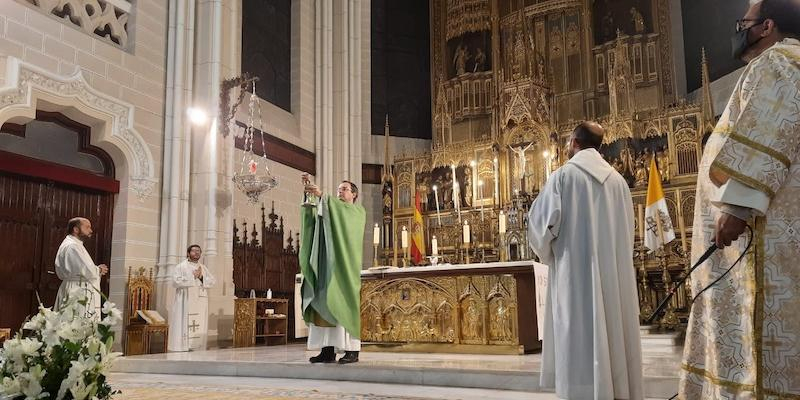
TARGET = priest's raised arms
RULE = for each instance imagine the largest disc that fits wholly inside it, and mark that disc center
(331, 239)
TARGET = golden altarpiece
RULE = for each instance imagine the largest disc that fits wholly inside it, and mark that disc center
(510, 81)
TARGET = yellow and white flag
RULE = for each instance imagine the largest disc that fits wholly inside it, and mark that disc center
(656, 214)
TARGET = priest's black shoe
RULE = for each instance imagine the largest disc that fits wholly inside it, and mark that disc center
(349, 357)
(327, 355)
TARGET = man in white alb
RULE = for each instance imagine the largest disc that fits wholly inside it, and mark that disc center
(581, 226)
(189, 314)
(75, 268)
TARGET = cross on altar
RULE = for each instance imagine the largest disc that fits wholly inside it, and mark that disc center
(193, 326)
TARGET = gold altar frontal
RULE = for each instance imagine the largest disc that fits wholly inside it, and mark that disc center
(478, 308)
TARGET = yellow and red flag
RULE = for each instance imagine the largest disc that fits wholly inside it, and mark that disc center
(417, 233)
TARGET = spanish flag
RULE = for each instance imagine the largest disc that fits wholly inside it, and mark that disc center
(417, 233)
(656, 206)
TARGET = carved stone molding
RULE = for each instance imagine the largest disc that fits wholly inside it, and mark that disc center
(26, 84)
(107, 19)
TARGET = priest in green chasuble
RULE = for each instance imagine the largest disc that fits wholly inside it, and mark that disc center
(743, 336)
(331, 249)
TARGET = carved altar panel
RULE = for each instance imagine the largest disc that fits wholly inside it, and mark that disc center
(452, 309)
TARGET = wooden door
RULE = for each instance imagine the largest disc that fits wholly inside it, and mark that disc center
(33, 219)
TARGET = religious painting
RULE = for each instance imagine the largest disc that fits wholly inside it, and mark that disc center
(469, 53)
(631, 17)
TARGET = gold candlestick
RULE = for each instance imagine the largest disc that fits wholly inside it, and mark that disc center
(375, 256)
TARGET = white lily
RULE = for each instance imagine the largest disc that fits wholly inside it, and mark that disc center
(11, 387)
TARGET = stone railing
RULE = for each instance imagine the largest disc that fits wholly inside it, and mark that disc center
(105, 18)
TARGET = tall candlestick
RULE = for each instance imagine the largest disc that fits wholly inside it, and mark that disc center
(496, 196)
(466, 232)
(404, 239)
(436, 199)
(502, 223)
(376, 235)
(682, 227)
(435, 246)
(456, 201)
(480, 186)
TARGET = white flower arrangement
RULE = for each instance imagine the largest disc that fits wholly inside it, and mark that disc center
(65, 354)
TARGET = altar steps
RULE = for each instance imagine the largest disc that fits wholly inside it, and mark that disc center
(499, 372)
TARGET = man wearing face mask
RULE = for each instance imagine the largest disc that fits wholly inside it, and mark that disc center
(743, 337)
(581, 226)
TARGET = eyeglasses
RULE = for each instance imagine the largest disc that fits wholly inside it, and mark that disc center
(741, 24)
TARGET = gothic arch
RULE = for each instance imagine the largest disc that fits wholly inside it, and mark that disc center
(27, 88)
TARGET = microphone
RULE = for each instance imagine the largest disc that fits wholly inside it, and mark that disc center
(671, 292)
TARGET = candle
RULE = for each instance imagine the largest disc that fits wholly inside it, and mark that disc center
(466, 232)
(683, 231)
(641, 221)
(456, 203)
(495, 197)
(502, 222)
(480, 185)
(435, 246)
(376, 235)
(436, 199)
(404, 238)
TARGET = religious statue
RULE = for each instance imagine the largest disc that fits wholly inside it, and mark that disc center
(422, 188)
(471, 320)
(460, 59)
(521, 161)
(501, 321)
(662, 158)
(641, 171)
(638, 20)
(626, 156)
(447, 189)
(480, 61)
(467, 195)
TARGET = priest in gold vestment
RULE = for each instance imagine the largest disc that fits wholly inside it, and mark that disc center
(743, 337)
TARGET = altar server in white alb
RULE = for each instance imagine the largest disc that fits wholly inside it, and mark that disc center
(188, 319)
(75, 268)
(581, 225)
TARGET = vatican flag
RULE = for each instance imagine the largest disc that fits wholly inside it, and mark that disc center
(659, 226)
(417, 233)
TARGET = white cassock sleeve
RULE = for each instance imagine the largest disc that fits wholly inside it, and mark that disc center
(208, 279)
(544, 220)
(183, 276)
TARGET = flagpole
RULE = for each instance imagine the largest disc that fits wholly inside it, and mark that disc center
(670, 320)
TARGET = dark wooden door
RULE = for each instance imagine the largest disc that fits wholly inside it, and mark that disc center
(33, 219)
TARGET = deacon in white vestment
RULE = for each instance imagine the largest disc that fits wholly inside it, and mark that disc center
(75, 268)
(188, 327)
(581, 225)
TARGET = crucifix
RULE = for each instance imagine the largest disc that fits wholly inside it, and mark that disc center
(193, 326)
(520, 152)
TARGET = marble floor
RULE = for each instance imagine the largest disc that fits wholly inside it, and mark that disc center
(497, 373)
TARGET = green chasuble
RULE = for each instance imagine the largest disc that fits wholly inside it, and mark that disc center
(331, 250)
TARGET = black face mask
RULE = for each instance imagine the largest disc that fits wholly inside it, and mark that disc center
(740, 44)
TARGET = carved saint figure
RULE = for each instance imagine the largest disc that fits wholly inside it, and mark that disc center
(663, 164)
(501, 323)
(480, 61)
(641, 172)
(638, 20)
(471, 319)
(460, 59)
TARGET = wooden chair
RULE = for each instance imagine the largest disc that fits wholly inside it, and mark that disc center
(138, 333)
(5, 334)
